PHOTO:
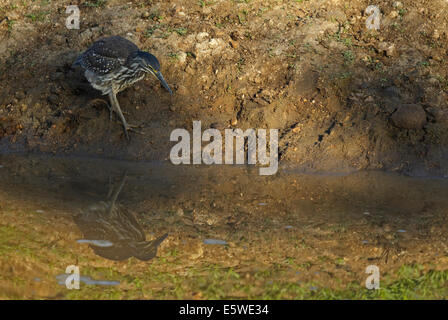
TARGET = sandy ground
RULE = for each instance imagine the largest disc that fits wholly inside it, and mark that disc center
(342, 96)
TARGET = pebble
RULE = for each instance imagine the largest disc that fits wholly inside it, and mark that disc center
(202, 36)
(436, 34)
(387, 48)
(180, 212)
(393, 14)
(182, 57)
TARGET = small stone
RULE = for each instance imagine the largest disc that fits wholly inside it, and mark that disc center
(393, 14)
(397, 4)
(202, 36)
(435, 34)
(180, 212)
(409, 116)
(182, 57)
(387, 48)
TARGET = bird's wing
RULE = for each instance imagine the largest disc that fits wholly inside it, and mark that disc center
(107, 54)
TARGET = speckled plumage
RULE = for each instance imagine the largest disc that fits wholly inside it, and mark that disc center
(109, 221)
(114, 63)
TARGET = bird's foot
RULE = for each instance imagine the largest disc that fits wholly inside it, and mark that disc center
(131, 128)
(135, 126)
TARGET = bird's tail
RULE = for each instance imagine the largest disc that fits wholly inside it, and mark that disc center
(146, 250)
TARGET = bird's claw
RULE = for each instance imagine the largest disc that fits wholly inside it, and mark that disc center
(131, 128)
(135, 126)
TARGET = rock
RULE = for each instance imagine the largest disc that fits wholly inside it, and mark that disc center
(180, 212)
(397, 4)
(202, 36)
(436, 34)
(182, 57)
(234, 44)
(209, 48)
(387, 48)
(409, 116)
(393, 14)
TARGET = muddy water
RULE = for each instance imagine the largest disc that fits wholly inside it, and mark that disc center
(125, 216)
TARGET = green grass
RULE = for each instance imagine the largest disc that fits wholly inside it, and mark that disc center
(214, 282)
(39, 16)
(349, 57)
(95, 4)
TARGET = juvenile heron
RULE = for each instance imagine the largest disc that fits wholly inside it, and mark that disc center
(112, 64)
(113, 230)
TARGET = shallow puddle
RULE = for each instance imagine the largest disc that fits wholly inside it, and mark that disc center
(155, 230)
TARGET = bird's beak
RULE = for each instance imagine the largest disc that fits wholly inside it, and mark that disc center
(164, 83)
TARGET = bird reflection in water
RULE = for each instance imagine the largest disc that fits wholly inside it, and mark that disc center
(113, 232)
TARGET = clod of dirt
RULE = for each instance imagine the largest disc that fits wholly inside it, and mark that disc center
(386, 48)
(409, 116)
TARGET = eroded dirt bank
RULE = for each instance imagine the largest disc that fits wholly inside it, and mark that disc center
(342, 96)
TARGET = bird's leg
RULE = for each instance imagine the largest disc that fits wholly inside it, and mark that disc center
(116, 107)
(116, 193)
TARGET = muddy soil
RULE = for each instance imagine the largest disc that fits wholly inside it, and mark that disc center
(342, 96)
(286, 236)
